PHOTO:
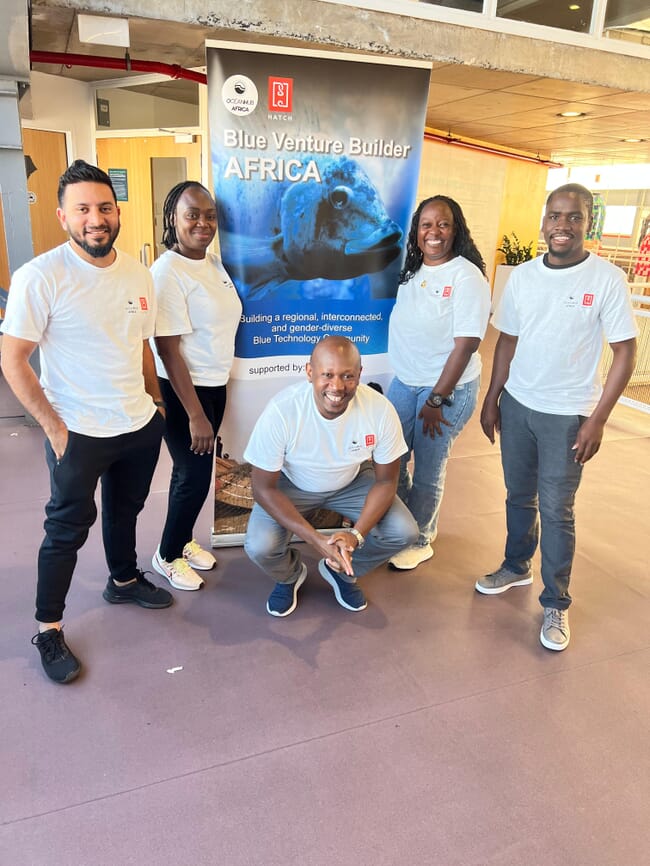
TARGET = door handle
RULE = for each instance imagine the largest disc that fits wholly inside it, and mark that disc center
(145, 255)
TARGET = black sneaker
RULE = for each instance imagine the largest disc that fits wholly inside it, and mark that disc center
(142, 592)
(284, 598)
(57, 658)
(347, 594)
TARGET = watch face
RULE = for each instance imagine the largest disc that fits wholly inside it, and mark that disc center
(436, 399)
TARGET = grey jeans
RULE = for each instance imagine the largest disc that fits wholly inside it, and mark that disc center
(267, 543)
(541, 478)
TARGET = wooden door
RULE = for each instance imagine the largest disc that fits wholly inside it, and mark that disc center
(45, 160)
(134, 155)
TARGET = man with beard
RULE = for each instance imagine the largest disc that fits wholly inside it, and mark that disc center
(331, 443)
(546, 400)
(90, 310)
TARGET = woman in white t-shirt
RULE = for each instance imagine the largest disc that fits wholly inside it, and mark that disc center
(439, 318)
(198, 314)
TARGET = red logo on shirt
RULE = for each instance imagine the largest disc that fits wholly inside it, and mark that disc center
(280, 94)
(587, 300)
(446, 292)
(370, 440)
(143, 304)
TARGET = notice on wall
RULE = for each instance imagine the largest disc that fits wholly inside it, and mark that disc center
(120, 183)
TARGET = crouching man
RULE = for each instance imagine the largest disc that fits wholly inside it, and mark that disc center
(329, 443)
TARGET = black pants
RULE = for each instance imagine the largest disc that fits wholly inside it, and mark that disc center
(191, 473)
(125, 465)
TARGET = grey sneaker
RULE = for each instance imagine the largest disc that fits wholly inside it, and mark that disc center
(501, 580)
(555, 633)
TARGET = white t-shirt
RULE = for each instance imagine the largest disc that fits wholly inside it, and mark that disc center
(198, 301)
(318, 454)
(559, 317)
(90, 324)
(436, 305)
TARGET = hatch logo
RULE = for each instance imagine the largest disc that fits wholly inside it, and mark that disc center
(281, 94)
(587, 300)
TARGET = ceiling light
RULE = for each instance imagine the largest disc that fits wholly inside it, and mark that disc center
(574, 7)
(103, 31)
(633, 140)
(571, 114)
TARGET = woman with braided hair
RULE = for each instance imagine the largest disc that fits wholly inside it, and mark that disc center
(198, 314)
(439, 319)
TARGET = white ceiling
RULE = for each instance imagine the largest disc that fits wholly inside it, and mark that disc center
(504, 109)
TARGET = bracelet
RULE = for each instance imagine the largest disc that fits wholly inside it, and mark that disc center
(360, 539)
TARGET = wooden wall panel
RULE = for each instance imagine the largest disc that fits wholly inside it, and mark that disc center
(48, 153)
(135, 154)
(497, 195)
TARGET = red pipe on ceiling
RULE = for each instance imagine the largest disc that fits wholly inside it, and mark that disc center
(126, 64)
(173, 70)
(484, 148)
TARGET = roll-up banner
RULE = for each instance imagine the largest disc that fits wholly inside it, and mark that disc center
(315, 160)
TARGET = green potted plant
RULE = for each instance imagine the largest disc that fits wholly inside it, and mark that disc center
(514, 251)
(514, 254)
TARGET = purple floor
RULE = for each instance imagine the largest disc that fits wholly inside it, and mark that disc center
(430, 730)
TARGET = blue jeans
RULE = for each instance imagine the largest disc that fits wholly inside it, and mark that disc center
(422, 493)
(542, 476)
(267, 543)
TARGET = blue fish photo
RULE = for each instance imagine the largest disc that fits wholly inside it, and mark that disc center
(332, 228)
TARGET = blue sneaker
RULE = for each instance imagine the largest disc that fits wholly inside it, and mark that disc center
(347, 594)
(284, 598)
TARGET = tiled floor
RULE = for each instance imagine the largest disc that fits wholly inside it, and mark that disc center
(430, 729)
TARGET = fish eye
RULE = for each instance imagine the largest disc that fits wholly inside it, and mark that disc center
(340, 196)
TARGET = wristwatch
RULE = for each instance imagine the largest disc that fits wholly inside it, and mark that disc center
(360, 539)
(435, 401)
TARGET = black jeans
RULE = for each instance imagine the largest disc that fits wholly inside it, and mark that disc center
(125, 464)
(191, 473)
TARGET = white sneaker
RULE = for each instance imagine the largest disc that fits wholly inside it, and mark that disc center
(411, 557)
(197, 557)
(179, 572)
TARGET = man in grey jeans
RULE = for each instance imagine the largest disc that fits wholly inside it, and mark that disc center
(546, 400)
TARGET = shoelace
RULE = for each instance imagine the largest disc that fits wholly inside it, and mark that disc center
(51, 646)
(192, 547)
(557, 619)
(140, 577)
(180, 566)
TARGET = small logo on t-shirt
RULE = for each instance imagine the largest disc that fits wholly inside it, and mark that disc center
(587, 299)
(370, 440)
(446, 292)
(143, 304)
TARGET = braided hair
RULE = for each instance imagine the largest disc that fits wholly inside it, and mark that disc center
(463, 244)
(169, 238)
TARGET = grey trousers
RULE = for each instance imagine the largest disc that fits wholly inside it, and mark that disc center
(541, 479)
(267, 543)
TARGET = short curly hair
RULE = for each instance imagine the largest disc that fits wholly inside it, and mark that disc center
(463, 244)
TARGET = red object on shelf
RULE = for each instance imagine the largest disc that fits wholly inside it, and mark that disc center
(642, 267)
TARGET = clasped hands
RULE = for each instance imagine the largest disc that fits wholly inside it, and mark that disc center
(341, 546)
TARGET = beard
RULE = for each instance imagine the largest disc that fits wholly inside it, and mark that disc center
(97, 251)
